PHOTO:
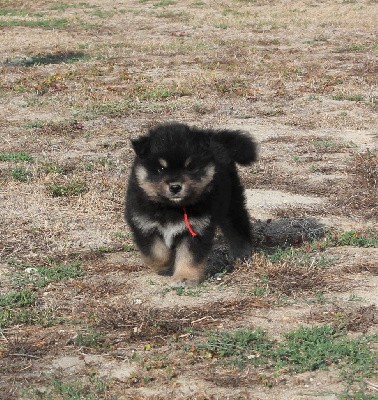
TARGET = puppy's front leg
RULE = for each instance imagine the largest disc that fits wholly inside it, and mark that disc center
(158, 257)
(190, 264)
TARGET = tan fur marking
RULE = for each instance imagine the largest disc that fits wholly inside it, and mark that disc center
(187, 273)
(159, 258)
(149, 188)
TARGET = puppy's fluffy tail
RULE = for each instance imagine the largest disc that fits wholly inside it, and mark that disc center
(240, 146)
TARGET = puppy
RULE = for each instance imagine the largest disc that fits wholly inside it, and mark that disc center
(184, 184)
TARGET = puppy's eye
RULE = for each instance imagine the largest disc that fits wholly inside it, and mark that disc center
(160, 170)
(191, 167)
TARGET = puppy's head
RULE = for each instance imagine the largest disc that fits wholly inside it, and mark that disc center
(174, 164)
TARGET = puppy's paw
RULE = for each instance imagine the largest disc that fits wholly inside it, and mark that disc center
(183, 282)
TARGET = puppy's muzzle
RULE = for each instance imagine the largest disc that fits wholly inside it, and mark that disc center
(175, 187)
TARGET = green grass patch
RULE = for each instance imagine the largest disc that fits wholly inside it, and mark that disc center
(110, 108)
(311, 253)
(62, 6)
(353, 48)
(34, 124)
(17, 12)
(21, 174)
(22, 298)
(102, 13)
(303, 349)
(16, 156)
(72, 188)
(359, 395)
(242, 346)
(27, 316)
(40, 276)
(303, 256)
(164, 3)
(17, 307)
(91, 338)
(350, 97)
(52, 23)
(368, 238)
(85, 388)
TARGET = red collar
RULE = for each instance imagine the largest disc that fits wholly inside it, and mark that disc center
(186, 220)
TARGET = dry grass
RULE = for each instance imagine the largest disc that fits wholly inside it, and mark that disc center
(286, 277)
(360, 319)
(359, 196)
(141, 323)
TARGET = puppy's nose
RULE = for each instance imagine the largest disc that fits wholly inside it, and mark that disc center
(175, 187)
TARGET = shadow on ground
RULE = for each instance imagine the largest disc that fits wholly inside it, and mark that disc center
(61, 57)
(270, 233)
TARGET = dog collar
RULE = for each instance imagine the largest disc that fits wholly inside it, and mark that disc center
(187, 223)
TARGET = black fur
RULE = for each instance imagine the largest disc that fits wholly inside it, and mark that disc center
(179, 168)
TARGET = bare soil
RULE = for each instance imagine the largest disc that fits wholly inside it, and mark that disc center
(78, 80)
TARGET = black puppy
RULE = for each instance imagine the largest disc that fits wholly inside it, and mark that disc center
(184, 184)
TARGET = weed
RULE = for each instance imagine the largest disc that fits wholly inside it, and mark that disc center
(90, 339)
(192, 292)
(16, 157)
(28, 316)
(92, 388)
(110, 108)
(128, 248)
(222, 25)
(303, 349)
(368, 238)
(242, 345)
(352, 48)
(34, 124)
(62, 6)
(179, 15)
(260, 291)
(351, 97)
(324, 144)
(22, 298)
(40, 276)
(199, 3)
(354, 297)
(102, 13)
(53, 83)
(72, 188)
(359, 395)
(304, 256)
(52, 23)
(164, 3)
(15, 12)
(50, 168)
(21, 174)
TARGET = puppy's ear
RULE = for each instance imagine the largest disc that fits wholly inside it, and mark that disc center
(141, 146)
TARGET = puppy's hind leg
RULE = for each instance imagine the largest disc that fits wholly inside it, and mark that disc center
(236, 227)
